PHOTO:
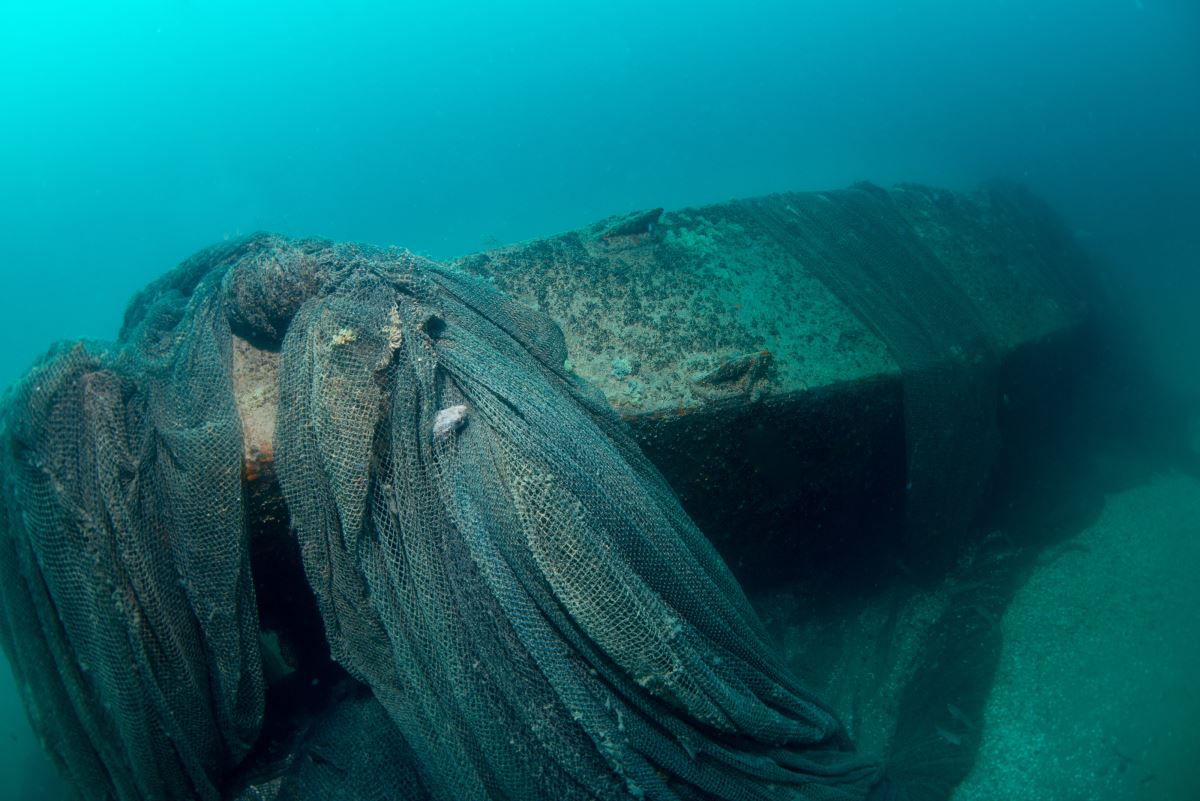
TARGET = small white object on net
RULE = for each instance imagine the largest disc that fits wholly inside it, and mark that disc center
(449, 420)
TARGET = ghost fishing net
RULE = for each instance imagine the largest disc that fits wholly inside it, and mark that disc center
(520, 606)
(894, 259)
(859, 245)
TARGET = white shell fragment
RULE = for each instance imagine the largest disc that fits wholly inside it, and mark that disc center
(448, 421)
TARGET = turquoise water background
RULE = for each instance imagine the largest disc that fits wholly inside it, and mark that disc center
(133, 133)
(136, 132)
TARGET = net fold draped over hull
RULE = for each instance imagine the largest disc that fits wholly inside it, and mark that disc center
(524, 607)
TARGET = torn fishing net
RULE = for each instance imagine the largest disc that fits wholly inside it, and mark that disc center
(523, 606)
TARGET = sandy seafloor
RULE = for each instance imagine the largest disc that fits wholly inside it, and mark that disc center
(1097, 695)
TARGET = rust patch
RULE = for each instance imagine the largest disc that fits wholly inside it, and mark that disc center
(256, 392)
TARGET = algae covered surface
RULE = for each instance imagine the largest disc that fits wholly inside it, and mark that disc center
(649, 315)
(669, 311)
(1048, 658)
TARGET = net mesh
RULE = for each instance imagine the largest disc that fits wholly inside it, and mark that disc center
(129, 610)
(948, 283)
(859, 244)
(530, 610)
